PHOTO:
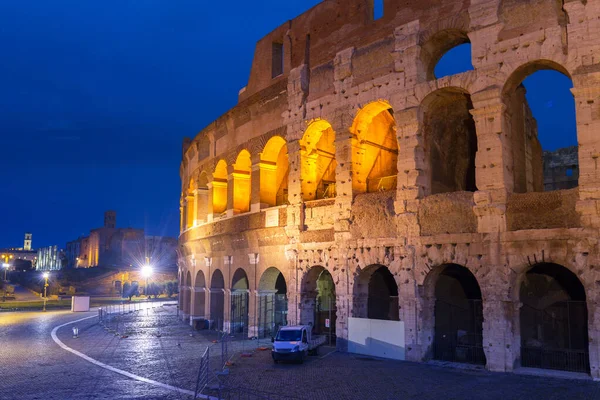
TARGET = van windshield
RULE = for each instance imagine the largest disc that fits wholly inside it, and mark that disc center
(289, 336)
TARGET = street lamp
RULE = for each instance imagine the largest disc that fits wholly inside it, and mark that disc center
(6, 266)
(147, 273)
(46, 275)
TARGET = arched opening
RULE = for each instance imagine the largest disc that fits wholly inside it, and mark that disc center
(191, 204)
(456, 60)
(540, 120)
(376, 294)
(242, 170)
(553, 319)
(220, 188)
(274, 173)
(202, 199)
(446, 53)
(199, 295)
(217, 300)
(239, 302)
(375, 149)
(317, 151)
(272, 302)
(187, 298)
(450, 141)
(318, 302)
(458, 316)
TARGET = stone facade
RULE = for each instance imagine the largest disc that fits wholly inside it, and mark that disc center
(356, 165)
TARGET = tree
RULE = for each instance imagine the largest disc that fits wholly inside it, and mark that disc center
(134, 290)
(171, 288)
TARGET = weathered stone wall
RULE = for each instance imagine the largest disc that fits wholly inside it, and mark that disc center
(339, 66)
(543, 210)
(447, 213)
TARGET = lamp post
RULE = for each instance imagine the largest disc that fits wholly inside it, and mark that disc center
(46, 275)
(6, 266)
(146, 273)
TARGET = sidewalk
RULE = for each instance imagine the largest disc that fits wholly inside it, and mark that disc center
(154, 344)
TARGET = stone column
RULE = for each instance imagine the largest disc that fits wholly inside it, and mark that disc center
(343, 173)
(209, 205)
(255, 200)
(230, 190)
(493, 162)
(202, 201)
(190, 206)
(413, 172)
(499, 340)
(587, 102)
(181, 216)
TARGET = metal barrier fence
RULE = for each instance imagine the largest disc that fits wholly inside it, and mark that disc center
(203, 373)
(557, 359)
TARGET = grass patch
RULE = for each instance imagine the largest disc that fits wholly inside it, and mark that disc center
(66, 304)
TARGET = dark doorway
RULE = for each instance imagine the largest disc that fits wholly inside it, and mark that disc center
(318, 302)
(239, 303)
(458, 317)
(554, 324)
(217, 301)
(272, 302)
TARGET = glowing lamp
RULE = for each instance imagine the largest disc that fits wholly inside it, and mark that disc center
(147, 271)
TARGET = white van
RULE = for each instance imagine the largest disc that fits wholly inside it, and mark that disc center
(295, 343)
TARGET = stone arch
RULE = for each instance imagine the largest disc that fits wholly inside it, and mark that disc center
(450, 140)
(187, 299)
(318, 300)
(274, 172)
(199, 294)
(242, 189)
(376, 294)
(239, 302)
(375, 153)
(219, 184)
(435, 45)
(553, 319)
(522, 127)
(452, 315)
(217, 300)
(272, 302)
(318, 163)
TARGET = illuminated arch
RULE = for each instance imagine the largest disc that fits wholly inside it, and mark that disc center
(317, 152)
(274, 172)
(242, 170)
(220, 188)
(375, 152)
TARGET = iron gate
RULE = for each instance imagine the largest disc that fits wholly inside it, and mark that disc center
(239, 311)
(458, 332)
(325, 309)
(555, 337)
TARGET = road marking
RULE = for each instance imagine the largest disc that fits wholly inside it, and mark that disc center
(113, 369)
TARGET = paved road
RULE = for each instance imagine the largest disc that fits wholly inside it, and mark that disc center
(159, 347)
(32, 366)
(22, 294)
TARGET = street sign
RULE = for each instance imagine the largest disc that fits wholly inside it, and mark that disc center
(327, 323)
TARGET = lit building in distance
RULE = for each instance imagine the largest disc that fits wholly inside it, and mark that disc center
(20, 257)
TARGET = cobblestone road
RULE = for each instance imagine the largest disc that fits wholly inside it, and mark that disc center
(160, 348)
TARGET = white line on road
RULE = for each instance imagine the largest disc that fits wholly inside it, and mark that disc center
(113, 369)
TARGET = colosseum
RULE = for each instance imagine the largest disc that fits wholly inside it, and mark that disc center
(402, 215)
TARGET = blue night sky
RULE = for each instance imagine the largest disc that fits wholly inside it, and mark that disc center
(97, 96)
